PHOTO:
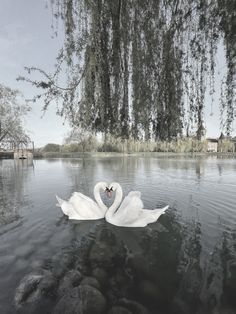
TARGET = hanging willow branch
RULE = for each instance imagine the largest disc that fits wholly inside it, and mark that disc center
(140, 68)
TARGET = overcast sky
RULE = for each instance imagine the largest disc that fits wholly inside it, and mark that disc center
(26, 40)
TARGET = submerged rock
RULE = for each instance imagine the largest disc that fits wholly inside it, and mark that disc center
(230, 284)
(90, 281)
(133, 306)
(26, 288)
(149, 292)
(179, 306)
(48, 285)
(81, 300)
(35, 290)
(69, 281)
(101, 275)
(119, 310)
(62, 264)
(139, 265)
(107, 251)
(101, 255)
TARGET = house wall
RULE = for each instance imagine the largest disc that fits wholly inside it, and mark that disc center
(212, 146)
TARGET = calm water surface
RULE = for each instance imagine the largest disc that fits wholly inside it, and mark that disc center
(184, 263)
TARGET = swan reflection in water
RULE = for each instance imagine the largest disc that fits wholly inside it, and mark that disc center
(129, 213)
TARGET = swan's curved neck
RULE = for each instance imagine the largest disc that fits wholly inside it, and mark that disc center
(111, 210)
(97, 196)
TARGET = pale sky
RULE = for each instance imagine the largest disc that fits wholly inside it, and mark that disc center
(26, 40)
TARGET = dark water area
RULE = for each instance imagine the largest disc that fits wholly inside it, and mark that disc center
(183, 263)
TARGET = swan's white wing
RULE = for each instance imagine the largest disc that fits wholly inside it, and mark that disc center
(66, 206)
(85, 206)
(154, 212)
(144, 217)
(82, 196)
(135, 193)
(134, 197)
(130, 208)
(152, 215)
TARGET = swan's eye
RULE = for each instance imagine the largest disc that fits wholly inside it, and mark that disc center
(111, 189)
(107, 189)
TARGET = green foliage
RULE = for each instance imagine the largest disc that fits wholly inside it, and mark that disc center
(129, 146)
(12, 110)
(51, 147)
(79, 140)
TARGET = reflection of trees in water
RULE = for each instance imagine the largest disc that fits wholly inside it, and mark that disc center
(190, 272)
(199, 164)
(219, 166)
(228, 259)
(209, 288)
(199, 168)
(13, 175)
(180, 163)
(155, 267)
(80, 174)
(85, 173)
(219, 280)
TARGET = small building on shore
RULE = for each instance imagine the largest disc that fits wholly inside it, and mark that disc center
(23, 154)
(212, 145)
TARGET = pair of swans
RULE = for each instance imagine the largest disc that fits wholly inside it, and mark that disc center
(129, 213)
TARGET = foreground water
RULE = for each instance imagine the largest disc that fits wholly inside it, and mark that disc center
(184, 263)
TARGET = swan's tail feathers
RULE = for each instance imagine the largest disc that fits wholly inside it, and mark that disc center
(159, 211)
(165, 208)
(66, 206)
(60, 201)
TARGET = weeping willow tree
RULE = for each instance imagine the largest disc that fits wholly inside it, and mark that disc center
(140, 68)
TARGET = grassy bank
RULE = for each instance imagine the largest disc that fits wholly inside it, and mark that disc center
(116, 146)
(144, 154)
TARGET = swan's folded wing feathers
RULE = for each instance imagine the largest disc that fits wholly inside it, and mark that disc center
(81, 196)
(66, 206)
(134, 197)
(130, 208)
(135, 193)
(78, 198)
(84, 206)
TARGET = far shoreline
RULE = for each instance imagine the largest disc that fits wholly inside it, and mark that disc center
(79, 155)
(136, 154)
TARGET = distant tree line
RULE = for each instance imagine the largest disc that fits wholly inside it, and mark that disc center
(87, 143)
(140, 68)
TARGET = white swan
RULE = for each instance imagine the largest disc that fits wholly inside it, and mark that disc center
(82, 207)
(131, 212)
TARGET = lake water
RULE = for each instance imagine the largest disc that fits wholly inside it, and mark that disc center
(183, 263)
